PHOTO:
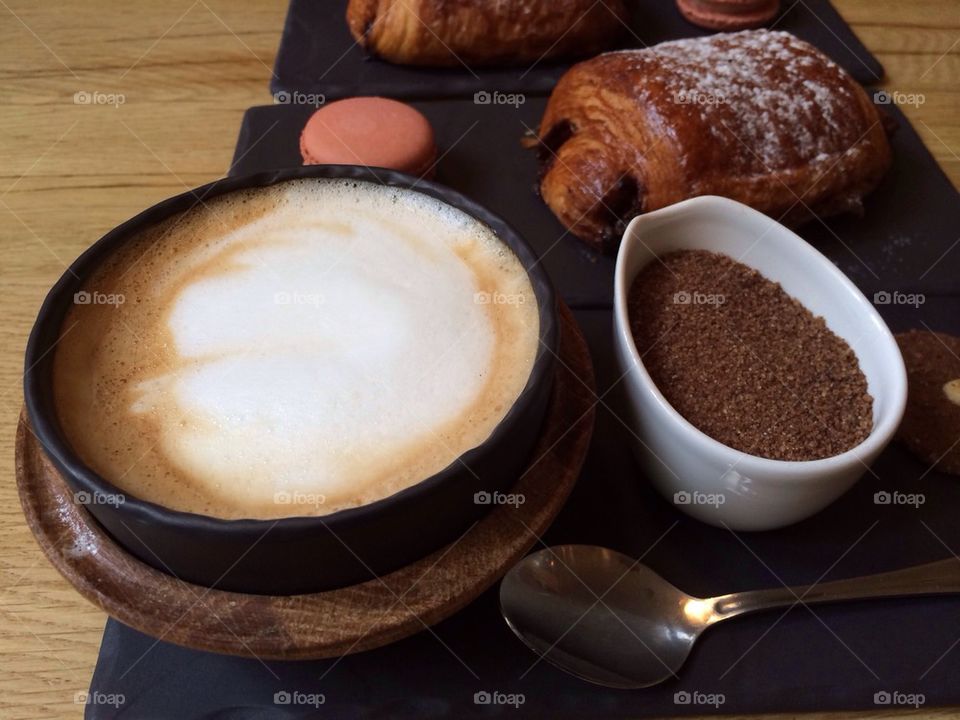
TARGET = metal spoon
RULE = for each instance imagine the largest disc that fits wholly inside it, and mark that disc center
(603, 617)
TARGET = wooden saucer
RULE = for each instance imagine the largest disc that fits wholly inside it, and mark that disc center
(327, 624)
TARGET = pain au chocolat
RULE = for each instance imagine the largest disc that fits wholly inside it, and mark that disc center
(757, 116)
(484, 32)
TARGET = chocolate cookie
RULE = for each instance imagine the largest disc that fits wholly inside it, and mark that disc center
(729, 14)
(931, 424)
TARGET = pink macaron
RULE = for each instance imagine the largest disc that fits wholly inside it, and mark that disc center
(371, 131)
(729, 14)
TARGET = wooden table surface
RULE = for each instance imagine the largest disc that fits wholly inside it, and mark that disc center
(182, 72)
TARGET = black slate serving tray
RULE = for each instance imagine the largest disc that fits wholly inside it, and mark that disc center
(898, 245)
(823, 658)
(318, 55)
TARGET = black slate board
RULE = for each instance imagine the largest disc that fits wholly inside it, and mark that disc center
(318, 55)
(910, 221)
(824, 658)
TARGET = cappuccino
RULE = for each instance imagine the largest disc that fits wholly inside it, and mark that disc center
(294, 350)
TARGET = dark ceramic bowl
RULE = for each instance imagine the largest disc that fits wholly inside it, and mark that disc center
(298, 554)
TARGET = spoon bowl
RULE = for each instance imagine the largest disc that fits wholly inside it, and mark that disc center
(599, 615)
(606, 618)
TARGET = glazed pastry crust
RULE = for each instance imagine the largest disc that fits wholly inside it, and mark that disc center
(484, 32)
(756, 116)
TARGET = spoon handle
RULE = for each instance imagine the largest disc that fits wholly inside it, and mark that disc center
(936, 578)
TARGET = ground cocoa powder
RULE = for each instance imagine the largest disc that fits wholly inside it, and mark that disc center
(744, 362)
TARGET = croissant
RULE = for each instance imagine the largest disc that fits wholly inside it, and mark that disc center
(484, 32)
(757, 116)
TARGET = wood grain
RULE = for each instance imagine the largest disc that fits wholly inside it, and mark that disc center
(188, 69)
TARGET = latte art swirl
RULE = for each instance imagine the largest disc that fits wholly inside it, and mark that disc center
(295, 350)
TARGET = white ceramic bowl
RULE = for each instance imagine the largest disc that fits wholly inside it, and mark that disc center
(700, 475)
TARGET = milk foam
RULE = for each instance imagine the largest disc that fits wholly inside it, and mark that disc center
(311, 347)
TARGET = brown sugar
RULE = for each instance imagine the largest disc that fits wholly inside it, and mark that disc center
(744, 362)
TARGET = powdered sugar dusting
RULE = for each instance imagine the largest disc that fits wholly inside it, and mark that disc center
(783, 100)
